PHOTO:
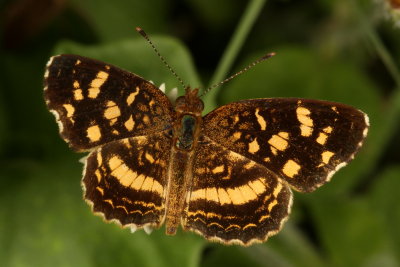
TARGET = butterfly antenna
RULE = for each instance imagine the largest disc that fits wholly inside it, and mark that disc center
(144, 34)
(261, 59)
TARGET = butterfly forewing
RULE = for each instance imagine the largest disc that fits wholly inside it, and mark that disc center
(302, 141)
(234, 199)
(96, 103)
(125, 180)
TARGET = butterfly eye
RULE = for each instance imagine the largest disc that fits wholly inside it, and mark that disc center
(180, 101)
(200, 105)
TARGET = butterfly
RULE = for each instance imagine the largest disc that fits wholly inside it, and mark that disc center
(227, 175)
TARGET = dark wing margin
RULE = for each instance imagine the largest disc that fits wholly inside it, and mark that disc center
(302, 141)
(96, 103)
(124, 181)
(234, 200)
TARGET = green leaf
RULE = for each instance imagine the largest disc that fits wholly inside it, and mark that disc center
(233, 256)
(40, 218)
(117, 20)
(293, 248)
(350, 231)
(288, 248)
(297, 71)
(384, 200)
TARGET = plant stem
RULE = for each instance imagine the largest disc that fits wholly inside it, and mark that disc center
(380, 48)
(245, 24)
(392, 113)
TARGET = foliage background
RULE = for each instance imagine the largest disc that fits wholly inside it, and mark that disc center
(344, 50)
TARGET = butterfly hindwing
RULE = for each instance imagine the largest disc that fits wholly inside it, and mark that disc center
(302, 141)
(234, 200)
(96, 103)
(125, 180)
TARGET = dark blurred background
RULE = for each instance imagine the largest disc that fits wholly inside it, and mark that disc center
(344, 50)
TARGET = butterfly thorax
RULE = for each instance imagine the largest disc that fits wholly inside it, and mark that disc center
(188, 113)
(186, 131)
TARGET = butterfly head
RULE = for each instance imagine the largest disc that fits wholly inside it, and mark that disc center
(190, 103)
